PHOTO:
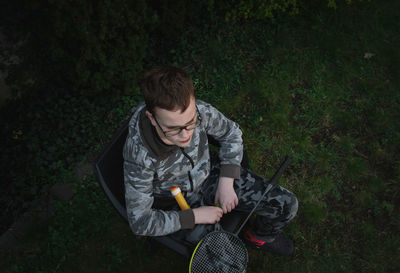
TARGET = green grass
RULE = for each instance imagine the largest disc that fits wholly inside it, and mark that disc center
(87, 235)
(306, 88)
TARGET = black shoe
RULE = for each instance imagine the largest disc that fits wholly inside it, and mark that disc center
(280, 245)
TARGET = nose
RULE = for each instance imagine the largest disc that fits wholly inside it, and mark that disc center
(184, 133)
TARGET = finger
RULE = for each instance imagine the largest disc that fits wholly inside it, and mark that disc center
(229, 207)
(225, 208)
(232, 205)
(218, 216)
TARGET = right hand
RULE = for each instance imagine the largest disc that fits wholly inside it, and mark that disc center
(207, 215)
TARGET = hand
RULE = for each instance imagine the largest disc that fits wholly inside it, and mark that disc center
(226, 195)
(207, 215)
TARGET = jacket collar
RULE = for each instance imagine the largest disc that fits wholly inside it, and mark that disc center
(152, 141)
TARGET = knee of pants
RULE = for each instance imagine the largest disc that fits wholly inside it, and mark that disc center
(288, 205)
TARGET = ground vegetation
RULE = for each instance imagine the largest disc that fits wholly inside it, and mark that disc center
(320, 85)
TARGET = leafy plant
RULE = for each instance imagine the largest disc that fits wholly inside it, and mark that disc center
(98, 48)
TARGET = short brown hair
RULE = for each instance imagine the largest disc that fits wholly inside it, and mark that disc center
(168, 88)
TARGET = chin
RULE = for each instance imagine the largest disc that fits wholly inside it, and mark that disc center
(184, 145)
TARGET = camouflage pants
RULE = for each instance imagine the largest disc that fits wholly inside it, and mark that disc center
(274, 212)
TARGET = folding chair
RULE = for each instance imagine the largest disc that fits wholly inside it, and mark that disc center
(108, 169)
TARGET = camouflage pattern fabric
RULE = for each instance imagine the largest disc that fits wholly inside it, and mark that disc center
(276, 210)
(148, 177)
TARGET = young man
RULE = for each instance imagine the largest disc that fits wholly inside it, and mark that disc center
(167, 146)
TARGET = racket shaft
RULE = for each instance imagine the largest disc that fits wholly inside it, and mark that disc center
(274, 180)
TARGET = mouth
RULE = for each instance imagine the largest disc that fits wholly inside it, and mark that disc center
(186, 141)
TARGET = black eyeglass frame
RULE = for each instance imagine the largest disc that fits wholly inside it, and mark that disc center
(180, 128)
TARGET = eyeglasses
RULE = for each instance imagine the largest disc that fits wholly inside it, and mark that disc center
(179, 129)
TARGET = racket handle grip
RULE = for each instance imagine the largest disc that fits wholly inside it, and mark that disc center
(176, 192)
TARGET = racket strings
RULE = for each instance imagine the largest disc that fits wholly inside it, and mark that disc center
(220, 252)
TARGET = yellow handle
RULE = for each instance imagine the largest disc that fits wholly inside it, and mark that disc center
(176, 192)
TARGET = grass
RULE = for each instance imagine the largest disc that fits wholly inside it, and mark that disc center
(322, 88)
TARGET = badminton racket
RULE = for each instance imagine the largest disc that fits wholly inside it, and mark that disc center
(222, 251)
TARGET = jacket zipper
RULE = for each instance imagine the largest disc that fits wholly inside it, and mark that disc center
(191, 163)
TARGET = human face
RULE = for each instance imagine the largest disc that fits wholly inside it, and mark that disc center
(166, 122)
(176, 131)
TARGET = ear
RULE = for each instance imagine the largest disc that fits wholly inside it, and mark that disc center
(151, 118)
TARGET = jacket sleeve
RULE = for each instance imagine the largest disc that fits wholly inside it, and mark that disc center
(139, 199)
(229, 135)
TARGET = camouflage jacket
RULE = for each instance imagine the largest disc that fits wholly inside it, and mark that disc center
(151, 168)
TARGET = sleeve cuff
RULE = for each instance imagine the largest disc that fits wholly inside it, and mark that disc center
(186, 217)
(232, 171)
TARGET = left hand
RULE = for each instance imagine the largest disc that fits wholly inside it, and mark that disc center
(226, 195)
